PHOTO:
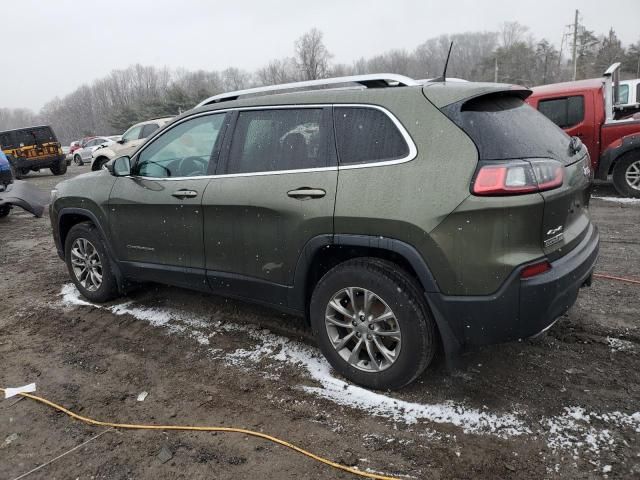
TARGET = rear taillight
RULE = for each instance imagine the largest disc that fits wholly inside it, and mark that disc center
(535, 269)
(518, 177)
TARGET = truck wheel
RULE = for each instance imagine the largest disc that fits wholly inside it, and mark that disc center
(60, 168)
(626, 174)
(21, 173)
(88, 263)
(372, 324)
(4, 210)
(77, 159)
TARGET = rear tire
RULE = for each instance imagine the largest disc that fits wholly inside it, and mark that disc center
(89, 266)
(392, 352)
(77, 159)
(626, 174)
(60, 168)
(20, 173)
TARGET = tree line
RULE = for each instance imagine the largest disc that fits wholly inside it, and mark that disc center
(512, 55)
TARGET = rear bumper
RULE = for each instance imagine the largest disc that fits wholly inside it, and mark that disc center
(521, 308)
(40, 162)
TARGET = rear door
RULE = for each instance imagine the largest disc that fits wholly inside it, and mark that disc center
(156, 213)
(276, 193)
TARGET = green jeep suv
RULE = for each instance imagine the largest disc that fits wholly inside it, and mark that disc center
(398, 217)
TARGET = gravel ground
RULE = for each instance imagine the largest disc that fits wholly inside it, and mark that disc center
(562, 406)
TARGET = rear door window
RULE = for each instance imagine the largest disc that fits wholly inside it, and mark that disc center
(565, 112)
(365, 135)
(279, 139)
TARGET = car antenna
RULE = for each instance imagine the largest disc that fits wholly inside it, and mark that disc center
(443, 78)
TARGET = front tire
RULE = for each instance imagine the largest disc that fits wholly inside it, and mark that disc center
(626, 175)
(89, 264)
(77, 159)
(4, 210)
(99, 163)
(372, 324)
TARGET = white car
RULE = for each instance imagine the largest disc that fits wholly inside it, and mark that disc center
(83, 155)
(130, 141)
(629, 94)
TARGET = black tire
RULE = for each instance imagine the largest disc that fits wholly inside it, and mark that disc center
(403, 296)
(4, 210)
(99, 163)
(630, 160)
(108, 289)
(60, 168)
(77, 159)
(20, 173)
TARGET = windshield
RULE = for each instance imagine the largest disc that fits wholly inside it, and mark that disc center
(504, 127)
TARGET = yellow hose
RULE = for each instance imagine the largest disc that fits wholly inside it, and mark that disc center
(264, 436)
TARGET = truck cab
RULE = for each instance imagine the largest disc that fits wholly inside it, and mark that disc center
(587, 109)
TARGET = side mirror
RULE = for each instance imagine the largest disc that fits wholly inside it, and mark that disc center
(120, 167)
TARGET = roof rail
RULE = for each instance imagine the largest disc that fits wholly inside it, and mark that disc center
(374, 80)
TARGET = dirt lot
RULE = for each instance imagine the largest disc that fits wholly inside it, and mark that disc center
(565, 405)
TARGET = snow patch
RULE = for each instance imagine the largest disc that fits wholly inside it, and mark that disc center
(632, 201)
(620, 345)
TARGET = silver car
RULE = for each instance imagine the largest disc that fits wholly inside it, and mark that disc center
(83, 155)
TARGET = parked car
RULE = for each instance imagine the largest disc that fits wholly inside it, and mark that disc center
(83, 154)
(585, 109)
(398, 220)
(33, 148)
(128, 142)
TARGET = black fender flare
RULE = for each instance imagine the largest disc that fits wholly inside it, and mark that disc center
(450, 342)
(611, 154)
(113, 261)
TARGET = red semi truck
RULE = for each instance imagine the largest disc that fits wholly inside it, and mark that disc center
(587, 109)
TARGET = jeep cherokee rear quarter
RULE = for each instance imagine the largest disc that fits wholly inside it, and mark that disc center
(394, 218)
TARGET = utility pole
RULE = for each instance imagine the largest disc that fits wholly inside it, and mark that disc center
(575, 46)
(495, 70)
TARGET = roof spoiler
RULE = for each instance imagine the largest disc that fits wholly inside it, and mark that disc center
(611, 89)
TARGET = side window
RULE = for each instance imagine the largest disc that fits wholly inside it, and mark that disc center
(132, 134)
(278, 139)
(366, 135)
(183, 151)
(638, 93)
(623, 94)
(148, 129)
(565, 112)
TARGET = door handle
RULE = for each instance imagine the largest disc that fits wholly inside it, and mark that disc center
(182, 194)
(306, 193)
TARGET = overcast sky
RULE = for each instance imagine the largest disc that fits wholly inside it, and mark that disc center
(50, 47)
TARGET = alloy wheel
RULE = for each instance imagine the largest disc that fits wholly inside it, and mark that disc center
(363, 329)
(632, 175)
(86, 264)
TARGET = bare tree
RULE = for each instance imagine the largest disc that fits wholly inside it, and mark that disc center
(277, 71)
(312, 57)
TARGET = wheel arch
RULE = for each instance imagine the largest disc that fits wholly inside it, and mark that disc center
(69, 217)
(613, 152)
(324, 252)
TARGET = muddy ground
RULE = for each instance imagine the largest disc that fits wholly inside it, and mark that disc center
(562, 406)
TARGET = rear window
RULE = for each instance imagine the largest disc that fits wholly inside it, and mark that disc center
(26, 137)
(503, 127)
(367, 135)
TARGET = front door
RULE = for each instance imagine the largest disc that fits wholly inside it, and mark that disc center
(277, 193)
(156, 213)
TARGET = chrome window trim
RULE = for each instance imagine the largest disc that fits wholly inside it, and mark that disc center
(413, 150)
